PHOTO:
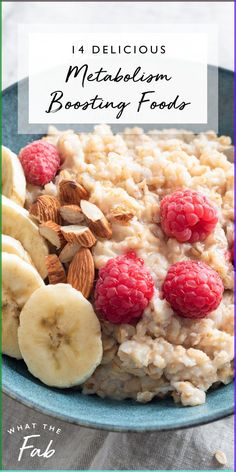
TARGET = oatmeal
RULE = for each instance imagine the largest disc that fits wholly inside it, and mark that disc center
(127, 176)
(164, 353)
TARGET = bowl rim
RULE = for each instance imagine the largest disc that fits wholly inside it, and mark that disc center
(184, 424)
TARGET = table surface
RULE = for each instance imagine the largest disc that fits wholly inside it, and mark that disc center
(86, 449)
(82, 448)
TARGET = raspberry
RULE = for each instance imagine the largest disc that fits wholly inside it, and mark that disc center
(124, 289)
(193, 289)
(40, 161)
(187, 216)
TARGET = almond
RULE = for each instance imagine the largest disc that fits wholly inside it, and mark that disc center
(121, 215)
(81, 272)
(45, 208)
(52, 232)
(56, 272)
(68, 252)
(71, 192)
(96, 220)
(72, 214)
(78, 234)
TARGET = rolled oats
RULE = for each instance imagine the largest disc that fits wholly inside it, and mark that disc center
(163, 354)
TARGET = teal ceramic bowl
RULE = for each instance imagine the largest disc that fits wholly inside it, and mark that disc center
(92, 411)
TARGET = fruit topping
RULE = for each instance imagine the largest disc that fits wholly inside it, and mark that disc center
(187, 216)
(40, 161)
(124, 289)
(193, 289)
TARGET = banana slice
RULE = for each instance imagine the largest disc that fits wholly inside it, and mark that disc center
(12, 246)
(13, 177)
(59, 336)
(17, 223)
(20, 280)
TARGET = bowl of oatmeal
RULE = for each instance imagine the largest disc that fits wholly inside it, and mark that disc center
(162, 360)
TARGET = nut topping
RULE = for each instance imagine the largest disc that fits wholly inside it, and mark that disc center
(79, 235)
(45, 208)
(72, 214)
(81, 272)
(71, 192)
(52, 232)
(96, 220)
(121, 215)
(68, 252)
(56, 272)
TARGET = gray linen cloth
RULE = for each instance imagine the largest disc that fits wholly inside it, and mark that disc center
(78, 448)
